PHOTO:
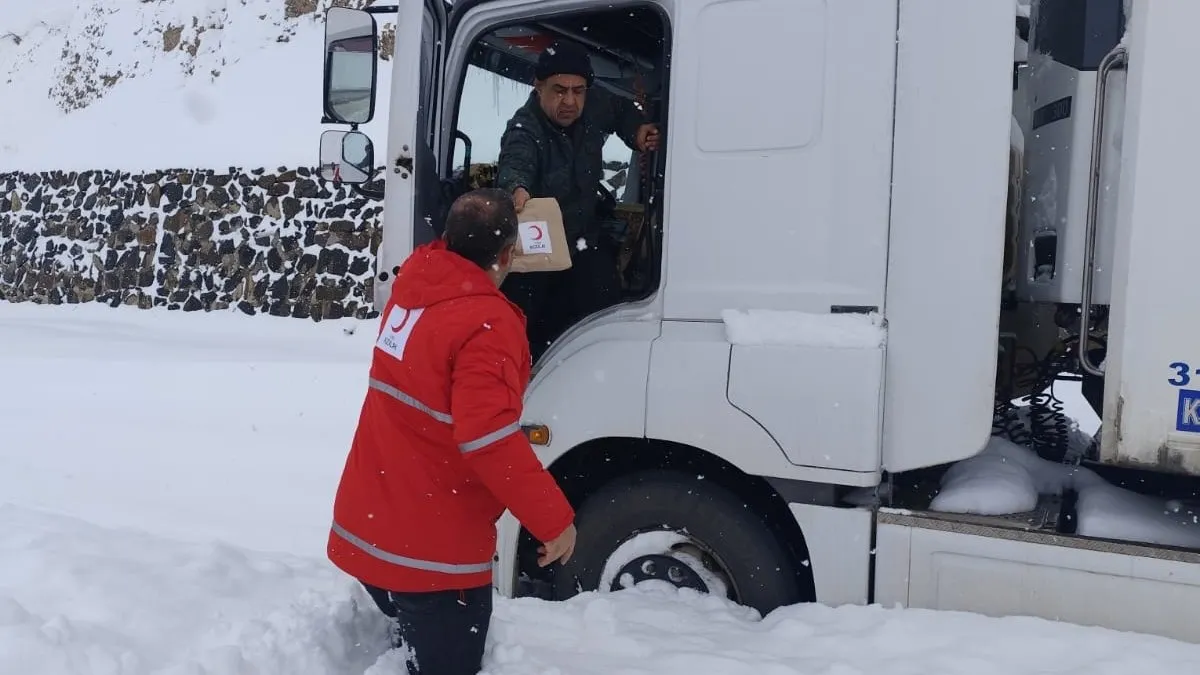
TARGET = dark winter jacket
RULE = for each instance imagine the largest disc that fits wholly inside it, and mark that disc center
(565, 163)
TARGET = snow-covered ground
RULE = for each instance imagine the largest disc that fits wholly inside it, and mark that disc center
(165, 485)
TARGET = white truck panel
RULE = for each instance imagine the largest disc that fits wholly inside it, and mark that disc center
(822, 405)
(839, 551)
(940, 563)
(412, 28)
(687, 403)
(946, 250)
(778, 155)
(594, 387)
(689, 369)
(504, 571)
(1152, 375)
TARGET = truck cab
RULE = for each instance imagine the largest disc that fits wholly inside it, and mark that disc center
(875, 234)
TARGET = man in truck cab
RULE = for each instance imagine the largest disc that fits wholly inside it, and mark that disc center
(553, 147)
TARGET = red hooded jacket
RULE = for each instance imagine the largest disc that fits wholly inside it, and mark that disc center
(439, 453)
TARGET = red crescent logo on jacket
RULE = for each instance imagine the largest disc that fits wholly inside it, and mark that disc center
(538, 230)
(403, 321)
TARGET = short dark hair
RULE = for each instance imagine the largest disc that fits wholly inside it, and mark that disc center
(480, 224)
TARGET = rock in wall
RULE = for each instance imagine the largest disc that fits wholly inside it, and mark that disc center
(278, 242)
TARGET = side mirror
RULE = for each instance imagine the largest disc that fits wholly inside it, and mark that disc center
(347, 157)
(351, 61)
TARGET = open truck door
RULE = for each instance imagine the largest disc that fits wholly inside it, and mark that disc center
(412, 198)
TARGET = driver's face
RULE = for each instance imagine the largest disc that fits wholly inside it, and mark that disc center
(562, 97)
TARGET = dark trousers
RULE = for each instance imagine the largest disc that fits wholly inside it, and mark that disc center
(444, 631)
(554, 301)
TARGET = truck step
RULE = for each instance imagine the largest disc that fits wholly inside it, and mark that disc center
(1053, 514)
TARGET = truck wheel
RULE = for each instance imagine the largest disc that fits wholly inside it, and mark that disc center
(678, 529)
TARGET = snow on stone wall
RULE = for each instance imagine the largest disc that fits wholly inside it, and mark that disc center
(261, 241)
(277, 241)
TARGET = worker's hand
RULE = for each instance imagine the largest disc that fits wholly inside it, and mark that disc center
(520, 196)
(647, 138)
(559, 549)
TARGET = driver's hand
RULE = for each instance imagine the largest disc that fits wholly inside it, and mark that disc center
(648, 137)
(520, 196)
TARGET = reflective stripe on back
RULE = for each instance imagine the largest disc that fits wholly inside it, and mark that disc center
(404, 398)
(412, 563)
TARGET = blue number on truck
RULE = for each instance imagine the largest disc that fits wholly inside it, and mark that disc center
(1187, 418)
(1183, 374)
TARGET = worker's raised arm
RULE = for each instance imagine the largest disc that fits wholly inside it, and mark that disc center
(485, 403)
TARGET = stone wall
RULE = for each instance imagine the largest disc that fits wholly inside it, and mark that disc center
(262, 241)
(280, 241)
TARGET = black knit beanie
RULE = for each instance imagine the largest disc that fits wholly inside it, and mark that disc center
(564, 58)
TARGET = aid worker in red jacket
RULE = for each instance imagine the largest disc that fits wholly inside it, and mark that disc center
(439, 453)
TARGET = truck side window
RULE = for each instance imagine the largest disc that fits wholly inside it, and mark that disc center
(627, 48)
(488, 100)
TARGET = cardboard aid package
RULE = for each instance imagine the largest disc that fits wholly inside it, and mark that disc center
(543, 242)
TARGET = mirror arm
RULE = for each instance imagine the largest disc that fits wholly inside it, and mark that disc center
(369, 193)
(376, 195)
(389, 9)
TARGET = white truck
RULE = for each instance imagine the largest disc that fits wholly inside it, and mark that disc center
(862, 214)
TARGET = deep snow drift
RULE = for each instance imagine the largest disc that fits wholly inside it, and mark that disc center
(165, 485)
(76, 599)
(205, 426)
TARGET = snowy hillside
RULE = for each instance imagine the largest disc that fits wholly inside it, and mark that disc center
(208, 84)
(155, 84)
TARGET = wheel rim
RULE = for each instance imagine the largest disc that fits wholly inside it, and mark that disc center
(670, 557)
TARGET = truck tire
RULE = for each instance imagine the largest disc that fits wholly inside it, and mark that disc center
(643, 512)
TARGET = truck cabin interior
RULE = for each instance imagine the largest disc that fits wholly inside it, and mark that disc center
(629, 53)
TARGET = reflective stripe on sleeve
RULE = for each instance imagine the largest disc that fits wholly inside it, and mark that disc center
(404, 398)
(411, 563)
(488, 439)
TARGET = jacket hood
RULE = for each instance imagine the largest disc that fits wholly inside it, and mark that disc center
(433, 274)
